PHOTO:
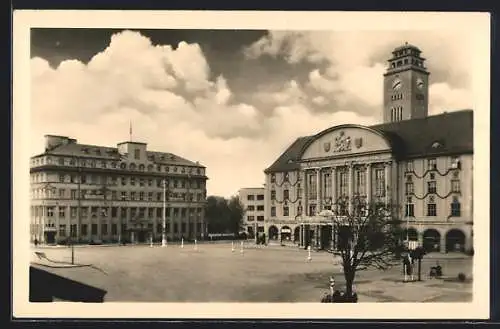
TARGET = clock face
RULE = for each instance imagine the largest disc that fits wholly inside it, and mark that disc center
(420, 83)
(397, 84)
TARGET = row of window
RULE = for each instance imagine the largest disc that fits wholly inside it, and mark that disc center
(409, 166)
(253, 208)
(397, 113)
(410, 207)
(431, 210)
(258, 197)
(406, 61)
(342, 183)
(286, 177)
(252, 218)
(432, 164)
(396, 97)
(113, 164)
(123, 196)
(123, 180)
(114, 229)
(432, 187)
(140, 212)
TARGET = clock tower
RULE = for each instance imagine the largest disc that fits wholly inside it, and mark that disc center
(406, 85)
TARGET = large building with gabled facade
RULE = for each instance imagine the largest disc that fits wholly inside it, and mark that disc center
(421, 163)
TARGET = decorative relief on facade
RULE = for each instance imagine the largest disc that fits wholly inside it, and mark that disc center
(342, 143)
(358, 142)
(327, 146)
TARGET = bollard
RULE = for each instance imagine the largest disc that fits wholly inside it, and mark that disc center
(241, 251)
(332, 285)
(151, 242)
(182, 242)
(309, 257)
(232, 246)
(195, 245)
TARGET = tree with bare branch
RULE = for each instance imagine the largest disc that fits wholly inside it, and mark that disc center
(369, 235)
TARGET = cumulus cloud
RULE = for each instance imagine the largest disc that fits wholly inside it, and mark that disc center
(353, 63)
(174, 105)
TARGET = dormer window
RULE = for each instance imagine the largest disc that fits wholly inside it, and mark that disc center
(273, 178)
(436, 145)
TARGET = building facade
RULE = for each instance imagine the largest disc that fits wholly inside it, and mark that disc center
(418, 164)
(86, 193)
(253, 202)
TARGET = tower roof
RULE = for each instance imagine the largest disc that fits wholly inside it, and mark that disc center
(406, 46)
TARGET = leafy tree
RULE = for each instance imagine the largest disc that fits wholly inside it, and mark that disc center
(236, 212)
(368, 236)
(224, 215)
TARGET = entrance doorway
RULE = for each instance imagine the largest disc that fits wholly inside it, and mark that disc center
(431, 240)
(455, 241)
(50, 237)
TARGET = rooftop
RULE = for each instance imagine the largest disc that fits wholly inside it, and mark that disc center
(104, 152)
(446, 133)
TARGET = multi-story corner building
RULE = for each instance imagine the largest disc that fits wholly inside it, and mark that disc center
(421, 164)
(86, 193)
(252, 199)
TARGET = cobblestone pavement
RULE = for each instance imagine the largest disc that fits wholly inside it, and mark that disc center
(216, 273)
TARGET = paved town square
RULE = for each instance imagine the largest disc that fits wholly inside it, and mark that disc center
(216, 273)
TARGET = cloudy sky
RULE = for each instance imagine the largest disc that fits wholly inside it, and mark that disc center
(232, 99)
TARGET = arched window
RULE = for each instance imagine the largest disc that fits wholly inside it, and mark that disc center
(132, 166)
(141, 167)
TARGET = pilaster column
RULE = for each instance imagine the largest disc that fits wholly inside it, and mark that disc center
(57, 236)
(195, 223)
(316, 236)
(387, 176)
(351, 187)
(320, 244)
(171, 223)
(304, 192)
(301, 240)
(318, 190)
(368, 183)
(334, 187)
(442, 243)
(333, 237)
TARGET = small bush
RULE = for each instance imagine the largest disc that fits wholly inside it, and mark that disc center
(461, 277)
(339, 297)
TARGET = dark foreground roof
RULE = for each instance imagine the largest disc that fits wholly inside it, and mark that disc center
(443, 134)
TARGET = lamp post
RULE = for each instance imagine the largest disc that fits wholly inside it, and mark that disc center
(407, 224)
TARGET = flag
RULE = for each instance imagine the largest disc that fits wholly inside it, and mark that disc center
(130, 130)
